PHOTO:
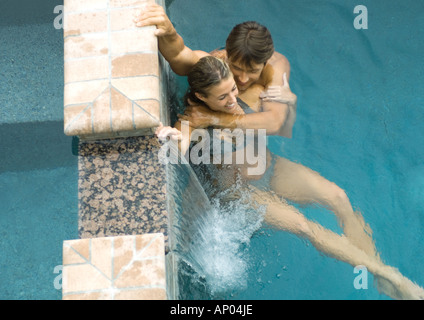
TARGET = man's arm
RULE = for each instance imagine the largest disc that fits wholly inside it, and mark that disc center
(171, 45)
(277, 101)
(271, 120)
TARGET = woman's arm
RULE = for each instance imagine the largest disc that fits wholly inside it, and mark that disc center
(181, 133)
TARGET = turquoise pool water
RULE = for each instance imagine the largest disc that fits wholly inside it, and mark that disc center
(359, 124)
(38, 170)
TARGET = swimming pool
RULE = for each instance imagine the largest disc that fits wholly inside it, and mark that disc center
(373, 77)
(359, 124)
(38, 167)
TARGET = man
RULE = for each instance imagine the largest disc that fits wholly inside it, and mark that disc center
(261, 74)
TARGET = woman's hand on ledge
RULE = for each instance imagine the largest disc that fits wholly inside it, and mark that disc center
(163, 133)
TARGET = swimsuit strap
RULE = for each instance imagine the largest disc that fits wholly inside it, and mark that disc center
(245, 106)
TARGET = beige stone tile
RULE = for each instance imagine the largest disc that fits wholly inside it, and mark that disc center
(141, 294)
(87, 69)
(101, 113)
(88, 45)
(79, 278)
(123, 19)
(107, 295)
(122, 115)
(133, 40)
(77, 120)
(84, 5)
(143, 119)
(83, 92)
(138, 264)
(147, 266)
(133, 54)
(101, 255)
(87, 22)
(150, 106)
(150, 245)
(142, 273)
(128, 3)
(136, 88)
(70, 256)
(131, 65)
(124, 249)
(81, 246)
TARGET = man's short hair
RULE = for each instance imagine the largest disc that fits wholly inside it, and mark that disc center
(249, 42)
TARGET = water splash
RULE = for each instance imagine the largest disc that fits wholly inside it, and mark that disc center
(218, 250)
(210, 237)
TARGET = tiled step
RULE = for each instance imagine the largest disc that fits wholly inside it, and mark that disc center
(114, 268)
(114, 76)
(115, 95)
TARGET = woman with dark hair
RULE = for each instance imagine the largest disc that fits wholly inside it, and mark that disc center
(212, 85)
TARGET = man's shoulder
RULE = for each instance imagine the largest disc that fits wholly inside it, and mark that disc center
(279, 60)
(273, 72)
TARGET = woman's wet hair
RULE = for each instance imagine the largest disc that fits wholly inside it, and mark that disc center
(207, 72)
(249, 42)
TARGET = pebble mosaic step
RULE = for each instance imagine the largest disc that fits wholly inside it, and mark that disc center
(122, 188)
(114, 268)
